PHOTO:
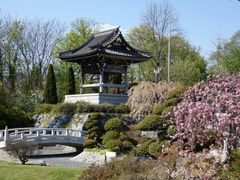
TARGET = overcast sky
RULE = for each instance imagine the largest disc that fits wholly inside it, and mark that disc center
(202, 21)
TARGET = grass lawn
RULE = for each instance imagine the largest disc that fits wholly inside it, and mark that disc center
(13, 171)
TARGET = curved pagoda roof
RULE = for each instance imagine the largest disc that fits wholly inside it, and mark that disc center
(109, 46)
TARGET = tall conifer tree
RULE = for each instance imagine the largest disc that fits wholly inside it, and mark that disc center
(71, 88)
(50, 92)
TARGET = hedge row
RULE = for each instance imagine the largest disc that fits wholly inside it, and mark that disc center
(81, 107)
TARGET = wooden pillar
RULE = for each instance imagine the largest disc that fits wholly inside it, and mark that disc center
(82, 77)
(101, 79)
(126, 79)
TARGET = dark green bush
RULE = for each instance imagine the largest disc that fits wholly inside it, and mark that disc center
(171, 130)
(96, 116)
(110, 135)
(90, 143)
(176, 92)
(83, 107)
(167, 110)
(2, 124)
(126, 146)
(106, 108)
(15, 117)
(115, 124)
(114, 145)
(155, 149)
(234, 166)
(94, 128)
(90, 123)
(158, 109)
(43, 108)
(122, 108)
(142, 149)
(64, 108)
(151, 123)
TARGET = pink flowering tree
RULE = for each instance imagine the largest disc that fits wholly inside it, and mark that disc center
(208, 113)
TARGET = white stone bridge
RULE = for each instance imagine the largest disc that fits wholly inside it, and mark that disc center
(43, 136)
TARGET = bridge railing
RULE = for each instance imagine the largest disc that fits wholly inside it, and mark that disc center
(22, 132)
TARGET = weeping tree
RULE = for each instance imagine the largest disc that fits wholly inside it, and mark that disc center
(50, 92)
(71, 88)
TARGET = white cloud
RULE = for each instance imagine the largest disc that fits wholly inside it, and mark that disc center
(106, 26)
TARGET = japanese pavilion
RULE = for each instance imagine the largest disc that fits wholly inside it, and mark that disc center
(104, 61)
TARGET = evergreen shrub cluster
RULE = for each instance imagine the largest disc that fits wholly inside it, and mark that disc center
(150, 148)
(115, 138)
(94, 130)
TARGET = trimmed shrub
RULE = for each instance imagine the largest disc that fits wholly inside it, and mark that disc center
(155, 149)
(83, 107)
(114, 145)
(110, 135)
(122, 108)
(126, 146)
(91, 123)
(96, 116)
(90, 143)
(176, 92)
(64, 108)
(106, 108)
(167, 110)
(142, 149)
(94, 128)
(150, 123)
(158, 109)
(115, 124)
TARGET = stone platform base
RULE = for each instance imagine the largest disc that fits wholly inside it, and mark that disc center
(97, 98)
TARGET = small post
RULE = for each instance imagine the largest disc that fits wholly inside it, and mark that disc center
(22, 135)
(67, 133)
(37, 132)
(6, 135)
(16, 131)
(1, 134)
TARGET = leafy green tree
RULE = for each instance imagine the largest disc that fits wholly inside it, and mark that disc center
(81, 29)
(227, 55)
(190, 70)
(10, 35)
(71, 82)
(50, 92)
(151, 35)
